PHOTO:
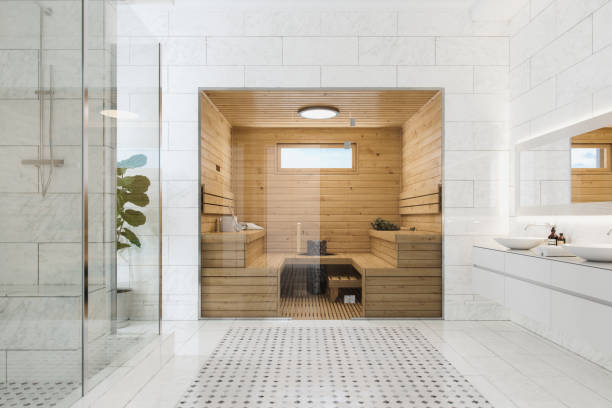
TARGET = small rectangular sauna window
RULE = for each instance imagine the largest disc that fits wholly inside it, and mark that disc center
(317, 157)
(590, 157)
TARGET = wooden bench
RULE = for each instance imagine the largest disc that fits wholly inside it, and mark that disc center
(336, 282)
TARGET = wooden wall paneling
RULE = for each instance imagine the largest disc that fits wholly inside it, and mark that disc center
(278, 108)
(420, 198)
(216, 160)
(335, 207)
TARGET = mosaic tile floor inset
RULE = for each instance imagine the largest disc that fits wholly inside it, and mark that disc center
(329, 367)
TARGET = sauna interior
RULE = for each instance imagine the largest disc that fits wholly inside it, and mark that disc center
(288, 201)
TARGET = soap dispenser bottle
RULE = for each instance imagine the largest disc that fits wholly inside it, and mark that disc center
(552, 238)
(561, 239)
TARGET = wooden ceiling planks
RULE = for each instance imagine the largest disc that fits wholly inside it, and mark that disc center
(278, 108)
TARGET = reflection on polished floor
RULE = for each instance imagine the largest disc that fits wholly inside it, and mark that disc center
(509, 366)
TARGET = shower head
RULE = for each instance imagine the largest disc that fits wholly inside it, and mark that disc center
(47, 11)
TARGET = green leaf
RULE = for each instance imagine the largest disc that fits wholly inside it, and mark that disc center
(121, 245)
(120, 171)
(129, 234)
(134, 217)
(137, 160)
(136, 184)
(139, 199)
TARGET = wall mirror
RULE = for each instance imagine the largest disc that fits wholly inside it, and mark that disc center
(567, 171)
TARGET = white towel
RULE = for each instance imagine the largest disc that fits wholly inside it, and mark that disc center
(251, 226)
(550, 250)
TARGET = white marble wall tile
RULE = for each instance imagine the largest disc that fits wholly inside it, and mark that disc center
(183, 136)
(476, 107)
(490, 135)
(565, 51)
(589, 75)
(68, 178)
(348, 23)
(519, 20)
(285, 22)
(244, 50)
(59, 264)
(320, 51)
(544, 165)
(537, 101)
(437, 21)
(144, 51)
(190, 19)
(536, 6)
(40, 322)
(19, 25)
(490, 79)
(459, 193)
(471, 51)
(180, 280)
(555, 192)
(189, 79)
(66, 72)
(580, 108)
(602, 101)
(19, 122)
(142, 21)
(486, 193)
(18, 74)
(282, 76)
(147, 254)
(99, 312)
(178, 221)
(179, 306)
(458, 250)
(180, 193)
(48, 365)
(19, 264)
(458, 136)
(529, 193)
(62, 30)
(184, 51)
(180, 165)
(570, 12)
(476, 165)
(397, 51)
(519, 81)
(533, 37)
(359, 76)
(458, 79)
(67, 121)
(137, 77)
(18, 177)
(602, 31)
(458, 280)
(183, 250)
(180, 107)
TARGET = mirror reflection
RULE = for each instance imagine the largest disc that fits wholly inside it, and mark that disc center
(590, 164)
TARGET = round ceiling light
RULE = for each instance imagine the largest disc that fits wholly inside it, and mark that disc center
(318, 112)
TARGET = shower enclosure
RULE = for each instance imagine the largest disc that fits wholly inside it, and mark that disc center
(80, 228)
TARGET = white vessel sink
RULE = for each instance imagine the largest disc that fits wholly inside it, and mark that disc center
(520, 242)
(592, 252)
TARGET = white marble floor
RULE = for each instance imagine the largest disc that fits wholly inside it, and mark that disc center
(508, 365)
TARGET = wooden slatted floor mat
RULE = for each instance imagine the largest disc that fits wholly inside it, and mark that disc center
(298, 304)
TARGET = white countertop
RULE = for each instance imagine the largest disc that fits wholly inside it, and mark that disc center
(567, 259)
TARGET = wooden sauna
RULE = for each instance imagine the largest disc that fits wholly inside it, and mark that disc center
(289, 180)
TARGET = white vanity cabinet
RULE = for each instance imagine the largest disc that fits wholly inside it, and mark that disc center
(565, 300)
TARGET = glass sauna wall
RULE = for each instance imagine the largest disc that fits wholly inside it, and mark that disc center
(59, 333)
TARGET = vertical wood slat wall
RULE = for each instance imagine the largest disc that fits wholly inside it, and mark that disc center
(216, 164)
(422, 168)
(335, 207)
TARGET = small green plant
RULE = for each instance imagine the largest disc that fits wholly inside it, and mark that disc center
(130, 189)
(383, 225)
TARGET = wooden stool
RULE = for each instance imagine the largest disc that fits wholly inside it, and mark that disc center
(335, 282)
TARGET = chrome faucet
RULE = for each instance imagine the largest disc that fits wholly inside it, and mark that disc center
(609, 231)
(547, 225)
